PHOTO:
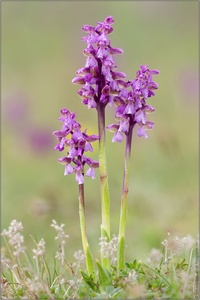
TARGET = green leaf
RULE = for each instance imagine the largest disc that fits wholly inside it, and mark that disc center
(121, 253)
(164, 279)
(105, 278)
(104, 233)
(89, 261)
(105, 261)
(117, 293)
(89, 281)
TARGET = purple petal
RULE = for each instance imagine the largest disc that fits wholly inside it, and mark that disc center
(144, 68)
(87, 28)
(115, 50)
(59, 133)
(117, 75)
(102, 53)
(149, 125)
(123, 93)
(91, 103)
(118, 137)
(91, 62)
(148, 108)
(106, 90)
(154, 72)
(120, 111)
(140, 117)
(129, 109)
(72, 152)
(88, 147)
(124, 125)
(64, 160)
(109, 20)
(78, 80)
(59, 147)
(141, 132)
(90, 138)
(91, 162)
(68, 169)
(112, 127)
(79, 178)
(82, 71)
(114, 86)
(90, 173)
(65, 111)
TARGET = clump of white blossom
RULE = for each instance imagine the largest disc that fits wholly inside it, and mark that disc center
(154, 257)
(61, 238)
(173, 246)
(109, 248)
(40, 250)
(15, 238)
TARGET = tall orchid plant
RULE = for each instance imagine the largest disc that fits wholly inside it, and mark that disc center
(101, 84)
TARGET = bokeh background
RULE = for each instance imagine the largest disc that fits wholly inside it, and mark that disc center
(41, 51)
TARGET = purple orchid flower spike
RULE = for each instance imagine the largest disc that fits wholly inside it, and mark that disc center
(98, 78)
(132, 107)
(77, 143)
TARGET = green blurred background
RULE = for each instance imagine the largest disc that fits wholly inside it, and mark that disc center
(41, 51)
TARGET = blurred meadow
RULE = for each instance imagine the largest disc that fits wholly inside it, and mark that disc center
(41, 51)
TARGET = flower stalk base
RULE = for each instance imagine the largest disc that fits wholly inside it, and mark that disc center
(86, 249)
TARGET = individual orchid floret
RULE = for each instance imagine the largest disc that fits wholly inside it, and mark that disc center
(76, 142)
(98, 78)
(131, 105)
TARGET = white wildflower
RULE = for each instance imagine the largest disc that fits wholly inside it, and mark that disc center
(36, 285)
(109, 249)
(15, 238)
(5, 262)
(80, 257)
(165, 243)
(189, 242)
(186, 282)
(132, 277)
(176, 245)
(61, 236)
(72, 282)
(59, 255)
(155, 256)
(40, 251)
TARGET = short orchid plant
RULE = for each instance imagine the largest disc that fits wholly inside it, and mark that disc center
(102, 84)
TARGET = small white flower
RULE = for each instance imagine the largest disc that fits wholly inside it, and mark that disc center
(40, 251)
(189, 242)
(109, 249)
(132, 277)
(61, 236)
(15, 238)
(155, 256)
(79, 256)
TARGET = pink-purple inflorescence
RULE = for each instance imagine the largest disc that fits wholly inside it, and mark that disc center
(131, 104)
(102, 84)
(76, 142)
(99, 80)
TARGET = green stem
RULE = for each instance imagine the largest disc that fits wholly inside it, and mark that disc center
(86, 249)
(123, 211)
(104, 189)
